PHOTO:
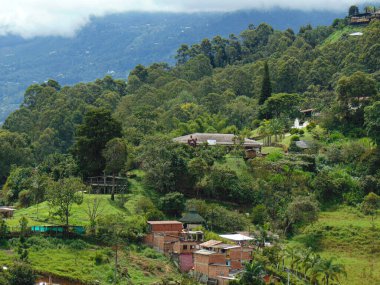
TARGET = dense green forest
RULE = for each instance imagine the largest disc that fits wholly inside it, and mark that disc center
(251, 85)
(116, 43)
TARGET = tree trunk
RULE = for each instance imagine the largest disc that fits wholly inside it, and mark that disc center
(67, 218)
(113, 187)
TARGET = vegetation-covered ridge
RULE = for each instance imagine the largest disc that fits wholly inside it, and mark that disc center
(253, 85)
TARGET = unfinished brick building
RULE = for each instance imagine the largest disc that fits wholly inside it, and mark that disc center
(218, 262)
(169, 238)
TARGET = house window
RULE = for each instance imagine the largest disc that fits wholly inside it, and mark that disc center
(185, 246)
(228, 262)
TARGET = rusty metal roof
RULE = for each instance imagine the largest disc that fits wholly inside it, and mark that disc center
(210, 243)
(164, 223)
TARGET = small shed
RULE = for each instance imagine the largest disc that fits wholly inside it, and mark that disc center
(7, 212)
(192, 219)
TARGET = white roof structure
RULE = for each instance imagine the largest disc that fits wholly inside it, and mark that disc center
(236, 237)
(356, 34)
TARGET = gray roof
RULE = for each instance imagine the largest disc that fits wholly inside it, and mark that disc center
(219, 139)
(303, 144)
(204, 252)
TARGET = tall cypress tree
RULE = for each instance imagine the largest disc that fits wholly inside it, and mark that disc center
(266, 88)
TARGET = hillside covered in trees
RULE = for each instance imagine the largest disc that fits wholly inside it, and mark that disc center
(115, 44)
(251, 85)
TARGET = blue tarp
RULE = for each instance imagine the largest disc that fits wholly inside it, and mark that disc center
(58, 229)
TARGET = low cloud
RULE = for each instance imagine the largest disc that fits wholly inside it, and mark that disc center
(30, 18)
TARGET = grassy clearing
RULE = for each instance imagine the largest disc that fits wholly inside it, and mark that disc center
(80, 265)
(270, 149)
(143, 266)
(39, 215)
(349, 236)
(337, 35)
(78, 217)
(235, 163)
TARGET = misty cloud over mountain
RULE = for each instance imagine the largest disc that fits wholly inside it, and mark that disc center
(66, 17)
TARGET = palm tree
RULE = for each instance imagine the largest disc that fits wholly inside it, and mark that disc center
(330, 270)
(264, 131)
(298, 257)
(253, 274)
(276, 128)
(291, 253)
(304, 258)
(311, 264)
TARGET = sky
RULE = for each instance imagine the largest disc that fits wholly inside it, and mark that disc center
(30, 18)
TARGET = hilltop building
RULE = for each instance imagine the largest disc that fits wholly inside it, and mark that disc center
(364, 18)
(252, 147)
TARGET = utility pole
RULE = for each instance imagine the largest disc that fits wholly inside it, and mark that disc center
(115, 277)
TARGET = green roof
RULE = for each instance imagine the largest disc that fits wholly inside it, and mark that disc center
(192, 217)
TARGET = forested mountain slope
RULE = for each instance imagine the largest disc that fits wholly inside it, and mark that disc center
(116, 43)
(251, 85)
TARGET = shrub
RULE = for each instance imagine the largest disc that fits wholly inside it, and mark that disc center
(78, 244)
(310, 126)
(25, 198)
(259, 214)
(39, 243)
(22, 273)
(301, 132)
(294, 138)
(294, 131)
(151, 253)
(99, 258)
(218, 217)
(173, 203)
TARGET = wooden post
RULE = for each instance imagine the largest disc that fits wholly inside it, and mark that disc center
(115, 278)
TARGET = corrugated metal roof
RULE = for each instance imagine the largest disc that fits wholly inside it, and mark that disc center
(204, 252)
(225, 246)
(164, 222)
(210, 243)
(236, 237)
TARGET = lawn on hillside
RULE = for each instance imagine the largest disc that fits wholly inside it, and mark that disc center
(144, 266)
(95, 263)
(337, 35)
(348, 236)
(78, 217)
(40, 216)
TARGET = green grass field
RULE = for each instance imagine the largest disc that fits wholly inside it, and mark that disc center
(337, 35)
(80, 265)
(79, 217)
(39, 215)
(349, 236)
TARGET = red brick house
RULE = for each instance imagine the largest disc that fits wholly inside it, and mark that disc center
(218, 262)
(170, 238)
